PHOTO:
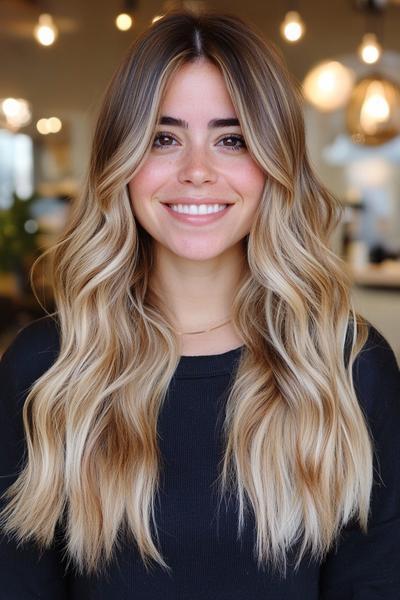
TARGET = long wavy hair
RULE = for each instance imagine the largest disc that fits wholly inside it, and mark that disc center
(298, 450)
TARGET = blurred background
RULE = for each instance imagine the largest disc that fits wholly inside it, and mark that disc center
(58, 57)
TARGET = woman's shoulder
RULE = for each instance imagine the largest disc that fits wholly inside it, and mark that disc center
(377, 347)
(32, 351)
(376, 375)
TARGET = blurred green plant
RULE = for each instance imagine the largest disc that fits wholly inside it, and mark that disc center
(19, 233)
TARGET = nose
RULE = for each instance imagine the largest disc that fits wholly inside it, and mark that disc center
(197, 168)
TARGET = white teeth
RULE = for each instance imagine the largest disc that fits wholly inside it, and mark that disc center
(194, 209)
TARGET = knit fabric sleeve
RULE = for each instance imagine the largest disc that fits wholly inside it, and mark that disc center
(367, 566)
(25, 571)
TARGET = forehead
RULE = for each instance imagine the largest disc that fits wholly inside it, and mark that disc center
(197, 87)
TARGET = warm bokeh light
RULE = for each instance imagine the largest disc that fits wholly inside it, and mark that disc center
(373, 113)
(328, 86)
(292, 27)
(370, 50)
(123, 21)
(54, 124)
(14, 112)
(45, 31)
(375, 108)
(43, 126)
(51, 125)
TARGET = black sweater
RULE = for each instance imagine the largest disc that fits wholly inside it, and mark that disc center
(207, 560)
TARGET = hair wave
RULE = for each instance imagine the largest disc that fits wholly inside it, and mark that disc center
(298, 450)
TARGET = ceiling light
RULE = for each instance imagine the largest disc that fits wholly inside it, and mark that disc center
(370, 50)
(45, 31)
(124, 21)
(292, 27)
(373, 113)
(328, 86)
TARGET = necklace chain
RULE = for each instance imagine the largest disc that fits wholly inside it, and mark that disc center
(204, 331)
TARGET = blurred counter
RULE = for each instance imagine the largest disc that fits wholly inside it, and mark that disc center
(385, 274)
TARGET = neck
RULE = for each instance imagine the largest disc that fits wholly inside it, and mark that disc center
(197, 294)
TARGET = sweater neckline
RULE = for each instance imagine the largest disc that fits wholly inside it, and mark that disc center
(207, 364)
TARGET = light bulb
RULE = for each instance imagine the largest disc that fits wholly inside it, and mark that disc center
(292, 27)
(124, 21)
(370, 50)
(45, 31)
(375, 108)
(328, 85)
(372, 114)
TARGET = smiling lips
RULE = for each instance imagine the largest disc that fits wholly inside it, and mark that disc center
(197, 201)
(196, 218)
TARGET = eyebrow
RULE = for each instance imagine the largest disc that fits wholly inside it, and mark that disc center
(165, 120)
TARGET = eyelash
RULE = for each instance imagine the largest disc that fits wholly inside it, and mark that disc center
(163, 134)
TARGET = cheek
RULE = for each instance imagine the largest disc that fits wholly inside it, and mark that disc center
(250, 180)
(147, 180)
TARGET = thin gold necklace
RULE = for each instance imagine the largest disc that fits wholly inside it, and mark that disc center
(205, 330)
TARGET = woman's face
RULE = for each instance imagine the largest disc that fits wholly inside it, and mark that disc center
(196, 161)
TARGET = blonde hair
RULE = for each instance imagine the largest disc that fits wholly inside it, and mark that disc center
(298, 449)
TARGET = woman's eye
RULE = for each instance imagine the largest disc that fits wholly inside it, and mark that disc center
(162, 137)
(164, 140)
(238, 141)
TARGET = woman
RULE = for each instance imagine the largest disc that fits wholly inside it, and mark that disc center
(205, 415)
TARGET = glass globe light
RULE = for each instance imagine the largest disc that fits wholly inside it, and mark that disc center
(373, 111)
